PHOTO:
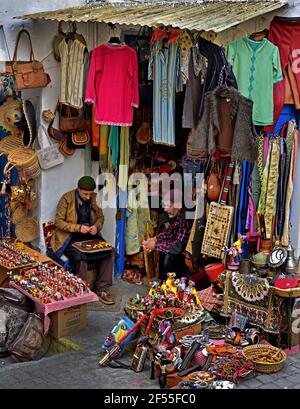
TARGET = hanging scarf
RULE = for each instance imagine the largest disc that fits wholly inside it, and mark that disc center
(113, 143)
(124, 157)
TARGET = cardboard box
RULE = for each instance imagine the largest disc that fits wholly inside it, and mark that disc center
(68, 321)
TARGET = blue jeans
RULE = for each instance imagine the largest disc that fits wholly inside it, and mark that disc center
(193, 167)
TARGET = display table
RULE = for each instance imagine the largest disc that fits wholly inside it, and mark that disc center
(40, 258)
(46, 309)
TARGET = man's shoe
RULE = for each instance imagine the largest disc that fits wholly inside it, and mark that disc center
(105, 297)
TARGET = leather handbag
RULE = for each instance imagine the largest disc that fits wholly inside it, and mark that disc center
(64, 149)
(29, 341)
(78, 140)
(213, 187)
(28, 74)
(71, 119)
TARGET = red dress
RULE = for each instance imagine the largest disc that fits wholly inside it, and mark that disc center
(113, 84)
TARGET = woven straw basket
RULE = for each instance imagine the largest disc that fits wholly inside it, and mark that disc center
(19, 213)
(25, 159)
(265, 367)
(10, 143)
(27, 230)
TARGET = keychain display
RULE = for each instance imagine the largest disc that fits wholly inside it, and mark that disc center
(49, 282)
(11, 256)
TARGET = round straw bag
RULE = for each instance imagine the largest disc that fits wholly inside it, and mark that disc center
(27, 230)
(25, 159)
(19, 213)
(10, 143)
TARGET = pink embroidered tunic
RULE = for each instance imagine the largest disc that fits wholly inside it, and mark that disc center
(113, 84)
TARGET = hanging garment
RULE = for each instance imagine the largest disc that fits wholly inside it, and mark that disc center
(244, 198)
(285, 34)
(255, 191)
(113, 143)
(169, 34)
(227, 182)
(185, 43)
(291, 149)
(137, 218)
(165, 71)
(103, 147)
(124, 158)
(95, 131)
(281, 188)
(250, 222)
(192, 97)
(113, 84)
(219, 71)
(256, 66)
(73, 57)
(268, 197)
(226, 126)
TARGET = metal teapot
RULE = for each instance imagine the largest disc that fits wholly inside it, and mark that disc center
(291, 264)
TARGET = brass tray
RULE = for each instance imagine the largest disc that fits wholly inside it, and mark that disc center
(86, 246)
(287, 293)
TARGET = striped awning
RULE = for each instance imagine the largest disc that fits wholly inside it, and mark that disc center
(205, 15)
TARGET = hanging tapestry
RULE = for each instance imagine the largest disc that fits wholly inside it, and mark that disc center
(217, 230)
(264, 309)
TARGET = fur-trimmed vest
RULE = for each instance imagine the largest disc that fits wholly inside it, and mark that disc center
(226, 125)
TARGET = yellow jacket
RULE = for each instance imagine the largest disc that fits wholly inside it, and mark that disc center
(66, 219)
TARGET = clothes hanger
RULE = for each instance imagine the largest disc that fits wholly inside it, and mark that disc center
(259, 35)
(113, 39)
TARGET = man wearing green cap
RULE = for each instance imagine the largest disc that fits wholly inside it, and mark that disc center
(78, 218)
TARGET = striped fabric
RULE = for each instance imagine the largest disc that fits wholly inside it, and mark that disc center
(227, 184)
(72, 56)
(165, 71)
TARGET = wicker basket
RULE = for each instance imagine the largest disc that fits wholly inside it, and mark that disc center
(22, 157)
(10, 143)
(27, 230)
(19, 213)
(25, 159)
(265, 367)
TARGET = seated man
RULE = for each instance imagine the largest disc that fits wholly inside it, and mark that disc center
(171, 242)
(78, 218)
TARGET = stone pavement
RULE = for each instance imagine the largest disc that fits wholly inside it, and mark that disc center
(80, 369)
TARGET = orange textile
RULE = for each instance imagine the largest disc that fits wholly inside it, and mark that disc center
(220, 349)
(95, 131)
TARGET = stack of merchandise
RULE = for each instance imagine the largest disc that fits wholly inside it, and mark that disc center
(11, 256)
(49, 283)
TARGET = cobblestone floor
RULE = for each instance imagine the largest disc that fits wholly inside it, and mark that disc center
(80, 369)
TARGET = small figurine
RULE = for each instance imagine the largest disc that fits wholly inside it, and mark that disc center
(181, 288)
(233, 254)
(191, 290)
(168, 336)
(164, 288)
(171, 283)
(153, 289)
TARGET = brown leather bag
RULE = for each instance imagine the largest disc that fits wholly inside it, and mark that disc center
(29, 341)
(78, 140)
(213, 186)
(28, 74)
(71, 119)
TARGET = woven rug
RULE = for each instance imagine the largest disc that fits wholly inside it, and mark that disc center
(117, 294)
